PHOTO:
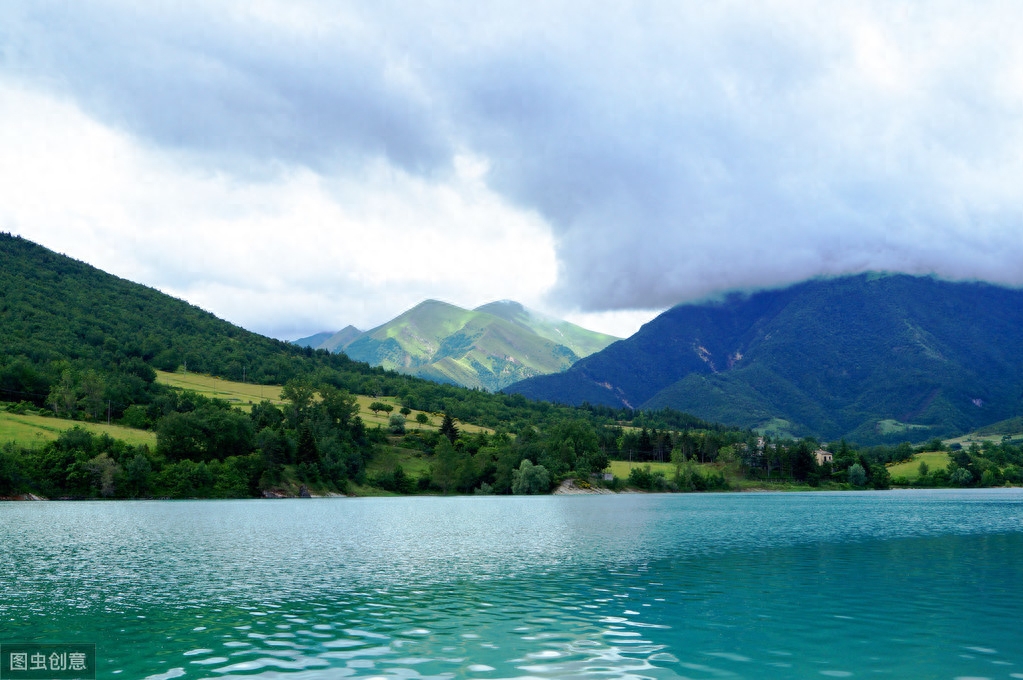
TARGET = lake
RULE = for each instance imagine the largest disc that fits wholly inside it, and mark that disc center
(901, 584)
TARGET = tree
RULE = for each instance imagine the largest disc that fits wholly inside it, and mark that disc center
(530, 479)
(803, 462)
(448, 429)
(422, 418)
(300, 393)
(378, 406)
(340, 406)
(63, 397)
(307, 450)
(960, 477)
(396, 423)
(880, 478)
(448, 466)
(857, 475)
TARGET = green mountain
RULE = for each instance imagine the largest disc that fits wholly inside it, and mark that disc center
(872, 358)
(313, 341)
(58, 313)
(489, 347)
(335, 342)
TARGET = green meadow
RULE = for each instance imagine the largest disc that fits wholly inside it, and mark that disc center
(245, 395)
(910, 469)
(34, 430)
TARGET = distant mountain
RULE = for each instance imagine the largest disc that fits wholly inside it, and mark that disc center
(872, 358)
(313, 341)
(489, 347)
(335, 342)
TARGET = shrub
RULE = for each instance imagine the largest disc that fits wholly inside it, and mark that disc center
(530, 479)
(960, 477)
(857, 475)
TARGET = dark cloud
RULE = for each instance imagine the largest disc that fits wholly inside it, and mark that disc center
(674, 149)
(241, 90)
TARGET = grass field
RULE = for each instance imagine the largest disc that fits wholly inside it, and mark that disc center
(977, 438)
(887, 427)
(389, 457)
(32, 431)
(936, 460)
(244, 395)
(621, 468)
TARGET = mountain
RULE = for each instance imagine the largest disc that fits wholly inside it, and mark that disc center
(489, 347)
(335, 342)
(313, 341)
(57, 313)
(871, 357)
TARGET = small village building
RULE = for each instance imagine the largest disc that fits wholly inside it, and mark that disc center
(823, 456)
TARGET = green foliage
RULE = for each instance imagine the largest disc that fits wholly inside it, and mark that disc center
(530, 479)
(960, 477)
(643, 478)
(448, 428)
(207, 433)
(857, 475)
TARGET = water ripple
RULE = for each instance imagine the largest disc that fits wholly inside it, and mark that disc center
(738, 585)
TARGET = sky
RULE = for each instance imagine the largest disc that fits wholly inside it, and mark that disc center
(299, 166)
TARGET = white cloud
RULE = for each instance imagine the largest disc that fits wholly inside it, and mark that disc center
(295, 252)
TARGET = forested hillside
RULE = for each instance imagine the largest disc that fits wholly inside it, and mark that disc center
(80, 344)
(872, 358)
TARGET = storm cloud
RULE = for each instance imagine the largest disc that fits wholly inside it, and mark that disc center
(612, 156)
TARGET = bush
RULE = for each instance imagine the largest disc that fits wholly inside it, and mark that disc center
(530, 479)
(857, 475)
(960, 477)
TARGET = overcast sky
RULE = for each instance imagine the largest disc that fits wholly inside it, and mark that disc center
(296, 167)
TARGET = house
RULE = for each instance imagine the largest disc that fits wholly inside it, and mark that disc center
(823, 456)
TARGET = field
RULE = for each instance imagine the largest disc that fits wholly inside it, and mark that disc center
(242, 395)
(621, 468)
(978, 438)
(32, 430)
(889, 427)
(245, 395)
(936, 460)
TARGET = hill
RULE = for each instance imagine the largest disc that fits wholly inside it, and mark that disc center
(871, 357)
(489, 347)
(313, 341)
(335, 342)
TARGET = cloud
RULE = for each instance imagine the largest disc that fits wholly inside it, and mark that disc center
(607, 159)
(296, 252)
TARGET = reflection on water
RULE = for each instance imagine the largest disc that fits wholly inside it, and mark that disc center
(918, 584)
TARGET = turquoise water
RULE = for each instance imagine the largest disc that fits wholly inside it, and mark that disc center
(922, 584)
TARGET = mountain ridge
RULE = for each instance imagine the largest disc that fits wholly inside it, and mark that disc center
(831, 357)
(488, 347)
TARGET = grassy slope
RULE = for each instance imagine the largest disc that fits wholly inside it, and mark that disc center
(244, 395)
(936, 460)
(33, 430)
